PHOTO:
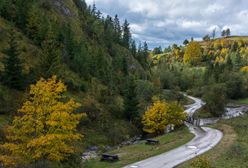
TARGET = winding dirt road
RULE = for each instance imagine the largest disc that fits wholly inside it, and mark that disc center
(205, 139)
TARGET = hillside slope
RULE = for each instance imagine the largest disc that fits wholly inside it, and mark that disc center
(95, 61)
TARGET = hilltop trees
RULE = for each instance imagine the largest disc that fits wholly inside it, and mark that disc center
(223, 33)
(157, 50)
(226, 33)
(193, 53)
(45, 128)
(117, 29)
(213, 33)
(142, 55)
(185, 42)
(133, 48)
(13, 75)
(206, 38)
(126, 35)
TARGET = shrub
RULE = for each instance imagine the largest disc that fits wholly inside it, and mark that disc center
(215, 99)
(201, 162)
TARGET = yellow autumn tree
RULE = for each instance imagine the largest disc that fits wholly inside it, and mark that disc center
(224, 52)
(154, 119)
(193, 54)
(244, 69)
(162, 114)
(45, 128)
(217, 44)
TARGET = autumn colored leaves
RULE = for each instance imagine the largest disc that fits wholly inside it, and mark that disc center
(45, 127)
(160, 115)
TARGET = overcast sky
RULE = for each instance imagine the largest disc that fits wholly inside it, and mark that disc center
(164, 22)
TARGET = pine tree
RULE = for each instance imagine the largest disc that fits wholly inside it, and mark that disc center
(108, 31)
(125, 66)
(81, 4)
(117, 29)
(237, 61)
(142, 55)
(131, 102)
(50, 62)
(209, 71)
(93, 11)
(213, 33)
(34, 24)
(229, 64)
(126, 35)
(8, 10)
(223, 33)
(22, 7)
(145, 56)
(13, 76)
(185, 42)
(234, 47)
(146, 50)
(139, 48)
(133, 48)
(228, 32)
(98, 14)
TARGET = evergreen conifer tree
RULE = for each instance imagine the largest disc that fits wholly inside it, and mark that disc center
(50, 62)
(126, 35)
(131, 102)
(117, 29)
(133, 48)
(13, 76)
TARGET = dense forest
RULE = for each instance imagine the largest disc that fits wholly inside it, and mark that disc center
(94, 56)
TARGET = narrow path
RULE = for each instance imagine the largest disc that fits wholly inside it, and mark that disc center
(205, 139)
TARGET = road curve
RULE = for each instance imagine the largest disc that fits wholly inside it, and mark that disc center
(205, 139)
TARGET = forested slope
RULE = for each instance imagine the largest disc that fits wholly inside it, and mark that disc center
(94, 56)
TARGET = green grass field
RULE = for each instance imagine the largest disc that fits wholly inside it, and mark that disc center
(241, 101)
(137, 152)
(232, 151)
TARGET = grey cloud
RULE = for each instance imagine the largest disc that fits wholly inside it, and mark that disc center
(164, 22)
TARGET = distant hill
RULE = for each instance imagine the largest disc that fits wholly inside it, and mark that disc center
(229, 38)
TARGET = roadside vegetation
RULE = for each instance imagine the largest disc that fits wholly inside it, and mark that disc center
(133, 153)
(232, 150)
